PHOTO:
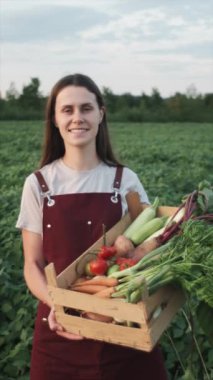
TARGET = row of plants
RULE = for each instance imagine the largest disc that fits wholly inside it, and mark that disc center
(189, 106)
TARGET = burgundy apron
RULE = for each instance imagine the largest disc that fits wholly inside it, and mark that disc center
(72, 223)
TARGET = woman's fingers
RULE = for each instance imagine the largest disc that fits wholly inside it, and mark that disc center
(69, 335)
(55, 326)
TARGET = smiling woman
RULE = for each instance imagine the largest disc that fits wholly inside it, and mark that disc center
(80, 186)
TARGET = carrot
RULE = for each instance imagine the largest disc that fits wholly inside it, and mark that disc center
(106, 293)
(90, 289)
(100, 280)
(97, 317)
(79, 281)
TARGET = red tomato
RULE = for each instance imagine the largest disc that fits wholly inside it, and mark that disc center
(98, 266)
(125, 262)
(106, 252)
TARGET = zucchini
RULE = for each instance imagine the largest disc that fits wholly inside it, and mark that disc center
(145, 216)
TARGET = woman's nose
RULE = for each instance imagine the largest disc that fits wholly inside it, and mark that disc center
(77, 116)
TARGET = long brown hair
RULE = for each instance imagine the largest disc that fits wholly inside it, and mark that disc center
(53, 147)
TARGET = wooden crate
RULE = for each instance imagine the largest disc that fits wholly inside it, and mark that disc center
(148, 327)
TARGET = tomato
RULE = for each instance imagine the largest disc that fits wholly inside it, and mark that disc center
(106, 252)
(124, 262)
(98, 266)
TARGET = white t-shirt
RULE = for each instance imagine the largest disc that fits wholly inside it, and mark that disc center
(61, 179)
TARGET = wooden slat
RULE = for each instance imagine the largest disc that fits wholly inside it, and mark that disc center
(108, 332)
(161, 323)
(110, 307)
(52, 284)
(160, 296)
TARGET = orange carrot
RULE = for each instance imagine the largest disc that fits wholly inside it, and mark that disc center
(100, 280)
(97, 317)
(90, 289)
(106, 293)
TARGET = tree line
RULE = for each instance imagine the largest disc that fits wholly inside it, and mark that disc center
(191, 106)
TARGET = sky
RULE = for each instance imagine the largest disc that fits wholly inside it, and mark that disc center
(125, 45)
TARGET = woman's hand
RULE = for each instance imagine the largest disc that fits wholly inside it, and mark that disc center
(54, 326)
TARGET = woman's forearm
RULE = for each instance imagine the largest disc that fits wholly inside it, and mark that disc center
(34, 266)
(36, 282)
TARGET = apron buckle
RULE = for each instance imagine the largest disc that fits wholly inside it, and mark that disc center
(50, 201)
(114, 197)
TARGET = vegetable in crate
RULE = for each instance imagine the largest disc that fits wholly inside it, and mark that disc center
(123, 245)
(124, 262)
(155, 240)
(113, 268)
(202, 198)
(186, 259)
(198, 203)
(96, 267)
(147, 229)
(97, 280)
(140, 229)
(100, 265)
(107, 252)
(145, 216)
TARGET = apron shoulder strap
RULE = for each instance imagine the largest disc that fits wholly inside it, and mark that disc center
(118, 177)
(41, 181)
(117, 184)
(45, 192)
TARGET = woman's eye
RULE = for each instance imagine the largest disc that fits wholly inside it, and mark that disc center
(87, 108)
(67, 110)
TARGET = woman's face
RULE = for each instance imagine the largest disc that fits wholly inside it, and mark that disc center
(77, 116)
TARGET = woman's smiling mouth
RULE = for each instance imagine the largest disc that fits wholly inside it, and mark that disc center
(77, 130)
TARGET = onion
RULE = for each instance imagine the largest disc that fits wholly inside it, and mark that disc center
(144, 248)
(123, 245)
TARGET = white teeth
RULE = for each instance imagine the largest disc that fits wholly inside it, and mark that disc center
(77, 129)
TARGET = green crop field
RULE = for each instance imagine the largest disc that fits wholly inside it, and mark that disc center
(170, 160)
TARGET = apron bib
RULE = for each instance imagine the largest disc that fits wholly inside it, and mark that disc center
(72, 223)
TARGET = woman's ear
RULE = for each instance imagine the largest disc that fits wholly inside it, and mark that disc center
(102, 112)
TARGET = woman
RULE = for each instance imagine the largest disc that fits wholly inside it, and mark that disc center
(80, 186)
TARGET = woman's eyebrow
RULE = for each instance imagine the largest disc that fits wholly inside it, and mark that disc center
(80, 105)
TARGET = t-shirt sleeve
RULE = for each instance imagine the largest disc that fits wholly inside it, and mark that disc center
(30, 215)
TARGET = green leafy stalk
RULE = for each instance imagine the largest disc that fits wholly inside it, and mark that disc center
(186, 260)
(143, 263)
